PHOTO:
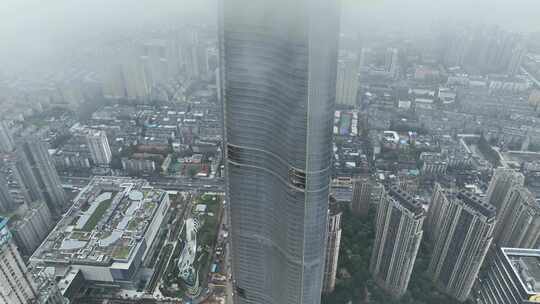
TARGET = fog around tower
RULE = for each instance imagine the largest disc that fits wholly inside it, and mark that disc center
(33, 30)
(406, 15)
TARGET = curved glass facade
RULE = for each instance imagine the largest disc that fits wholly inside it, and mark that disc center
(278, 70)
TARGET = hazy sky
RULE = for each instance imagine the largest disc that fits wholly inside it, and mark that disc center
(39, 27)
(519, 15)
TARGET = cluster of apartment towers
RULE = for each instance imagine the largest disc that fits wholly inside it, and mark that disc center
(460, 228)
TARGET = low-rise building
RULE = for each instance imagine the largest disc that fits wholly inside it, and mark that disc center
(510, 276)
(108, 232)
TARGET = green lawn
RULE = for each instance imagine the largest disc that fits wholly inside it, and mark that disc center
(97, 215)
(149, 206)
(133, 223)
(121, 252)
(79, 235)
(211, 201)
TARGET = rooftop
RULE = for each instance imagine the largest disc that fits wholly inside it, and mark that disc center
(526, 265)
(406, 200)
(106, 223)
(478, 204)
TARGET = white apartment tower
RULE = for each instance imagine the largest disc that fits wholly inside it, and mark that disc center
(347, 80)
(333, 241)
(16, 283)
(99, 148)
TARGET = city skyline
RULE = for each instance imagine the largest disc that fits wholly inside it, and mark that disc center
(270, 152)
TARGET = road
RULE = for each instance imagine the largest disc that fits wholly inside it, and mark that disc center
(165, 183)
(186, 184)
(536, 82)
(228, 265)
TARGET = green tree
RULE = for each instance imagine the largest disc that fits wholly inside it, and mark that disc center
(192, 171)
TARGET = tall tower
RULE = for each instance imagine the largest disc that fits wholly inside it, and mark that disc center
(391, 61)
(16, 283)
(278, 62)
(514, 65)
(361, 196)
(398, 233)
(22, 174)
(467, 225)
(6, 141)
(502, 181)
(7, 203)
(45, 173)
(347, 80)
(519, 224)
(99, 148)
(435, 215)
(333, 242)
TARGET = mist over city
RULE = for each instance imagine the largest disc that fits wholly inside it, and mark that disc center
(270, 152)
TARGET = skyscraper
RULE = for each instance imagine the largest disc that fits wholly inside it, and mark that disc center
(6, 200)
(519, 224)
(457, 48)
(6, 141)
(361, 196)
(435, 215)
(466, 231)
(99, 148)
(347, 80)
(514, 65)
(45, 173)
(502, 181)
(16, 283)
(31, 227)
(21, 174)
(278, 63)
(333, 242)
(366, 56)
(398, 233)
(391, 61)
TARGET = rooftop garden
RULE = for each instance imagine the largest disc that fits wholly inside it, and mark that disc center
(97, 215)
(121, 252)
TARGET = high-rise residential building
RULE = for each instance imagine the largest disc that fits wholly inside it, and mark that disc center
(99, 147)
(509, 276)
(16, 168)
(218, 84)
(502, 181)
(194, 54)
(347, 80)
(278, 62)
(333, 241)
(45, 173)
(124, 73)
(6, 200)
(154, 61)
(366, 57)
(398, 234)
(31, 227)
(16, 283)
(361, 196)
(457, 48)
(391, 61)
(514, 65)
(519, 224)
(6, 140)
(466, 232)
(437, 208)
